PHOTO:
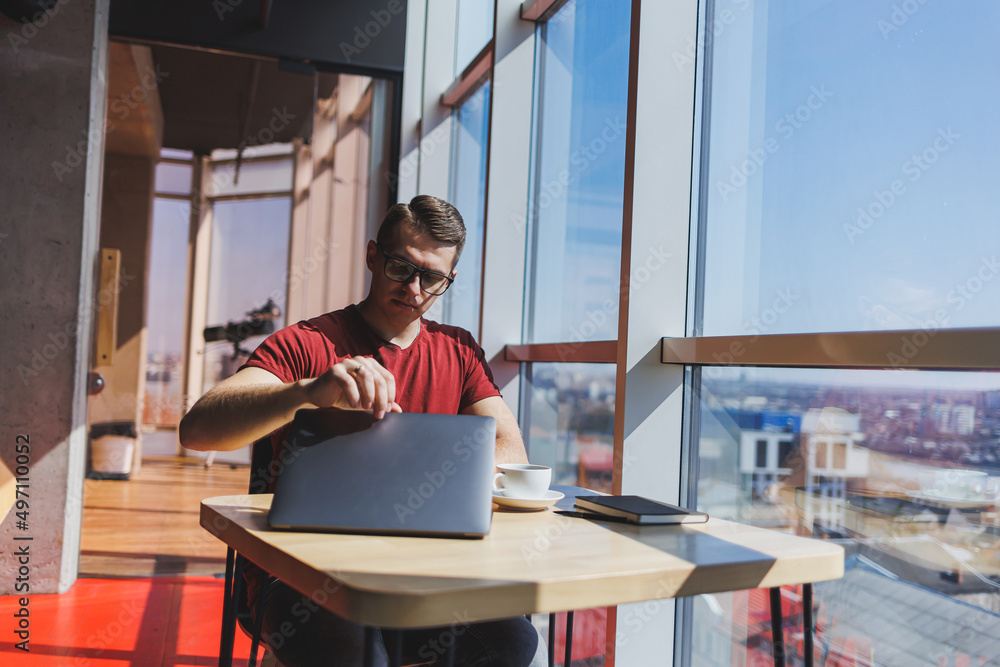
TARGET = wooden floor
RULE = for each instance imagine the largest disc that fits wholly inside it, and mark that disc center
(148, 526)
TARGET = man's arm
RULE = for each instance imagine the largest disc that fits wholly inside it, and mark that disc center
(510, 446)
(254, 402)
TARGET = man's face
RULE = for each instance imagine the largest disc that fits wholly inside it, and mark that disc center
(403, 303)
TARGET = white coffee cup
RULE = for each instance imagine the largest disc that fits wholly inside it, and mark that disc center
(522, 480)
(960, 484)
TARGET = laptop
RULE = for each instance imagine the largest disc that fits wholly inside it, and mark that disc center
(406, 474)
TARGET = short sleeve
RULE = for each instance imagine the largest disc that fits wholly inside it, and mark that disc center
(294, 353)
(478, 383)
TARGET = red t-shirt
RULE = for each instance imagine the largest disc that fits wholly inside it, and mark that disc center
(443, 371)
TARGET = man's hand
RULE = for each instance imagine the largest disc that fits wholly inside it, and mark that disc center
(253, 403)
(358, 383)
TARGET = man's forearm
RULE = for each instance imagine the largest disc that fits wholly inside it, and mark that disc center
(510, 449)
(229, 418)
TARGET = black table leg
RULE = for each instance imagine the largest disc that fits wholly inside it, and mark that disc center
(807, 622)
(371, 637)
(777, 633)
(552, 640)
(449, 655)
(228, 624)
(568, 660)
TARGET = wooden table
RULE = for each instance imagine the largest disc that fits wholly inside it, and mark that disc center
(537, 562)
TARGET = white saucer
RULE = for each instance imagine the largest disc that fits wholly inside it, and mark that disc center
(933, 496)
(528, 504)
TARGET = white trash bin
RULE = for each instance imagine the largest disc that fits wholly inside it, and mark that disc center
(112, 446)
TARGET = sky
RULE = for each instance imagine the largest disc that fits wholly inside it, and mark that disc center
(857, 105)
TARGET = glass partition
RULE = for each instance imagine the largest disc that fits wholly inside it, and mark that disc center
(579, 171)
(166, 302)
(901, 468)
(568, 421)
(849, 182)
(846, 185)
(473, 31)
(460, 304)
(249, 265)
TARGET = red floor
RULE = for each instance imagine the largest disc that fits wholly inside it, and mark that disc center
(159, 621)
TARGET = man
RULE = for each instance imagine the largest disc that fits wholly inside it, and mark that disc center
(379, 355)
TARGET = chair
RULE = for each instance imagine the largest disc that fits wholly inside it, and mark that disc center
(236, 610)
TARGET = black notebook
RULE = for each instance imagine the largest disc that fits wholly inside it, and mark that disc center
(637, 509)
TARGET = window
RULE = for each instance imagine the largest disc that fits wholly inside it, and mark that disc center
(574, 238)
(460, 303)
(249, 265)
(579, 171)
(911, 496)
(762, 453)
(474, 29)
(848, 183)
(570, 423)
(163, 401)
(845, 186)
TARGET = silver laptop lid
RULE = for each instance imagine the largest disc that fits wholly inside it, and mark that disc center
(406, 474)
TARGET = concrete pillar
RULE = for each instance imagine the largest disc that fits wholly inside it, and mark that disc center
(52, 102)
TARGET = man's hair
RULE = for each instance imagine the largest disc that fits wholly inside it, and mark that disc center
(425, 215)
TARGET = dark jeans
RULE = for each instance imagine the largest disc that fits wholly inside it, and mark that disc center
(299, 633)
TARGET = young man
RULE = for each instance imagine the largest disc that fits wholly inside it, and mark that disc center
(379, 355)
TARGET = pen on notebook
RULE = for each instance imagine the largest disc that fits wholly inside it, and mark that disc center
(592, 515)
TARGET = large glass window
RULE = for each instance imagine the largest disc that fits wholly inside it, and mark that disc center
(570, 422)
(846, 185)
(579, 168)
(165, 310)
(249, 265)
(460, 304)
(473, 31)
(901, 468)
(850, 182)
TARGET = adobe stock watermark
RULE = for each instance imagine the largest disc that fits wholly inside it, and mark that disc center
(636, 616)
(128, 613)
(963, 292)
(436, 647)
(301, 612)
(786, 127)
(594, 320)
(723, 18)
(543, 538)
(409, 165)
(914, 168)
(759, 324)
(899, 16)
(122, 106)
(31, 27)
(59, 340)
(297, 274)
(580, 160)
(418, 496)
(363, 35)
(279, 120)
(430, 144)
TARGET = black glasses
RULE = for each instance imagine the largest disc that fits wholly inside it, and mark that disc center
(401, 271)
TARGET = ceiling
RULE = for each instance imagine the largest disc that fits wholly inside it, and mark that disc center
(349, 36)
(242, 72)
(213, 100)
